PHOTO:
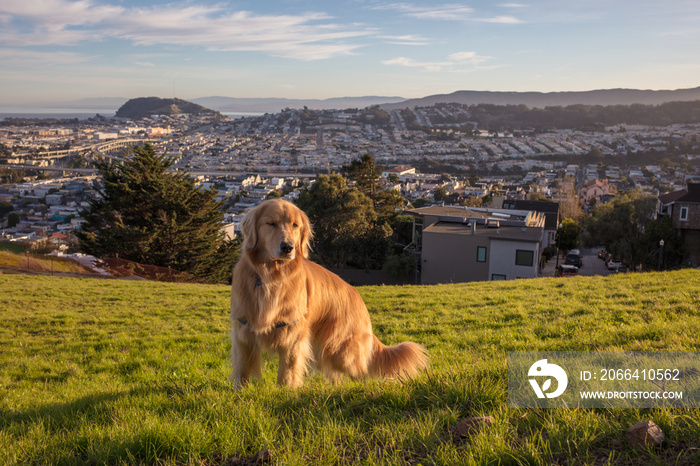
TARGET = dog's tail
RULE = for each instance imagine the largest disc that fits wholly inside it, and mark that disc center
(403, 360)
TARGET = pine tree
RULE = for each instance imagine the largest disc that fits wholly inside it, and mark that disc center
(344, 222)
(148, 215)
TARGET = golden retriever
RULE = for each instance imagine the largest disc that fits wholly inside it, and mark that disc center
(283, 302)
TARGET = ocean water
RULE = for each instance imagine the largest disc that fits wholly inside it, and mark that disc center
(54, 112)
(80, 113)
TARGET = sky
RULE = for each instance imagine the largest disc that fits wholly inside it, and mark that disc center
(63, 50)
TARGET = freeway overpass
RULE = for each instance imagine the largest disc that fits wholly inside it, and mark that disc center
(92, 171)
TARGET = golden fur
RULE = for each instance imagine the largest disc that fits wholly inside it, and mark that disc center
(283, 302)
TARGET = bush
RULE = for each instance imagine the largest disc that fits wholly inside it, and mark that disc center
(400, 266)
(549, 252)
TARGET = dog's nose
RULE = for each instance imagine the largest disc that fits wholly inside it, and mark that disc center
(286, 248)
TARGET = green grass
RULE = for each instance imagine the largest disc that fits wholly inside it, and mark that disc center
(120, 372)
(40, 263)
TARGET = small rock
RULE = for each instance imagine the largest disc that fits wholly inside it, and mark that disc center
(263, 457)
(470, 426)
(645, 433)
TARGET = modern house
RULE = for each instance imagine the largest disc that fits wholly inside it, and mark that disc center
(683, 207)
(458, 244)
(551, 216)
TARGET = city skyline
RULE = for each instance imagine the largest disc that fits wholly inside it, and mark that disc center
(63, 50)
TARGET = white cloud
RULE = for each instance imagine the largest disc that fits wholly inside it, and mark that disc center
(501, 20)
(306, 36)
(447, 12)
(406, 40)
(454, 62)
(11, 57)
(437, 12)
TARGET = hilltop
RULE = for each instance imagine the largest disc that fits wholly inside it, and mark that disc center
(112, 372)
(603, 97)
(143, 107)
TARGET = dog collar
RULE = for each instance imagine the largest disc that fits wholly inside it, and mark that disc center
(277, 325)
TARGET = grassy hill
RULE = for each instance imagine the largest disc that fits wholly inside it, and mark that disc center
(119, 372)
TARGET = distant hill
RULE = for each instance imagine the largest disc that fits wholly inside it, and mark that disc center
(143, 107)
(274, 105)
(553, 99)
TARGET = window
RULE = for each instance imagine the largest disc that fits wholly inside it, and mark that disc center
(524, 257)
(498, 276)
(481, 254)
(684, 214)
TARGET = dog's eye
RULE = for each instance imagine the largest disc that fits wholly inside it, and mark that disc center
(272, 224)
(294, 225)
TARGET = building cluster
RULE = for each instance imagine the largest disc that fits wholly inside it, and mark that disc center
(249, 159)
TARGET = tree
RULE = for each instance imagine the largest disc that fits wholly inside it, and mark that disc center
(5, 208)
(365, 173)
(12, 220)
(619, 225)
(672, 252)
(344, 221)
(439, 193)
(149, 215)
(568, 235)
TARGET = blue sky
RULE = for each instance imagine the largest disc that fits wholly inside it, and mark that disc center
(62, 50)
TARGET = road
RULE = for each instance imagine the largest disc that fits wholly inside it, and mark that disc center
(591, 265)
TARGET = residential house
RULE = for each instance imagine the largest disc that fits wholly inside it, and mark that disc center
(400, 170)
(683, 207)
(594, 189)
(551, 216)
(458, 244)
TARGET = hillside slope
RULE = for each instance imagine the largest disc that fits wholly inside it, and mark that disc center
(554, 99)
(143, 107)
(109, 371)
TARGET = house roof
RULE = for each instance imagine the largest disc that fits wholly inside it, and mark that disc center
(506, 233)
(446, 213)
(692, 194)
(539, 206)
(672, 197)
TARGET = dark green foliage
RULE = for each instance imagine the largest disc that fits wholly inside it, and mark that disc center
(400, 266)
(365, 173)
(672, 252)
(149, 215)
(12, 219)
(146, 106)
(569, 235)
(5, 208)
(346, 232)
(626, 228)
(503, 117)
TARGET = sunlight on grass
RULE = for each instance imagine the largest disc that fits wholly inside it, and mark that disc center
(120, 372)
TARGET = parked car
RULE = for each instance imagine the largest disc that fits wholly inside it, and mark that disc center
(574, 258)
(565, 270)
(614, 264)
(602, 254)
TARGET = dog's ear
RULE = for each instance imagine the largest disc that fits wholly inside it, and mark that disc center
(307, 234)
(249, 229)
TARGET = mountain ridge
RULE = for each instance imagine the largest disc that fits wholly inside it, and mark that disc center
(603, 97)
(533, 99)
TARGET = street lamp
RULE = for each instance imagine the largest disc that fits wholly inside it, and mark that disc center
(661, 252)
(557, 240)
